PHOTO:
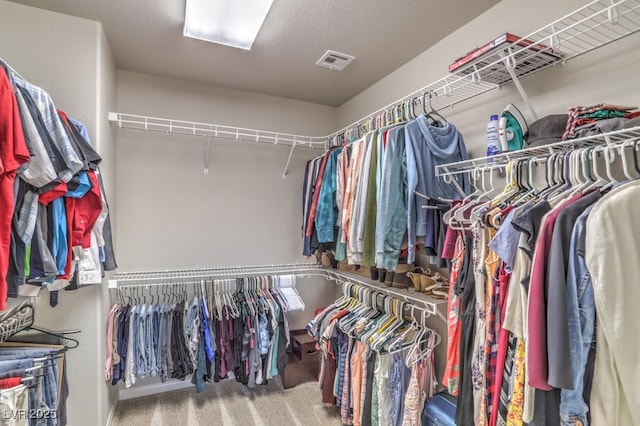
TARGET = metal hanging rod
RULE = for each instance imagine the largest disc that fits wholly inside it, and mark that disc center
(193, 275)
(191, 128)
(499, 161)
(208, 131)
(429, 305)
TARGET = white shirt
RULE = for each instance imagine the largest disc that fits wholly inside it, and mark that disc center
(612, 248)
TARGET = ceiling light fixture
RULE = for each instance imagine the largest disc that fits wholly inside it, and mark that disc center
(229, 22)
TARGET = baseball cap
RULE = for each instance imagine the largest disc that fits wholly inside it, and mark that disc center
(546, 130)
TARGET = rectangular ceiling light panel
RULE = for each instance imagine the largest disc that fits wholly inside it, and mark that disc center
(232, 23)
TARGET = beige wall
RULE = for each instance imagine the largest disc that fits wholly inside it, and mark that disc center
(70, 59)
(172, 216)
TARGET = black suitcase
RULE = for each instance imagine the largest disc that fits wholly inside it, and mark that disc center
(440, 410)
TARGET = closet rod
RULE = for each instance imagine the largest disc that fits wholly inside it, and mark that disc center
(499, 161)
(194, 276)
(123, 278)
(430, 305)
(192, 128)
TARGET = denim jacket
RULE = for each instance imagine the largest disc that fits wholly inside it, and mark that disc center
(581, 312)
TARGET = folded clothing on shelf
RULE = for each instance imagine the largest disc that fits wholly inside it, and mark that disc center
(581, 116)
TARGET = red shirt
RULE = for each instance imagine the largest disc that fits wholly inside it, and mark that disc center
(13, 153)
(537, 320)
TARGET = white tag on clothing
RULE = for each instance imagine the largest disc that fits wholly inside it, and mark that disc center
(113, 284)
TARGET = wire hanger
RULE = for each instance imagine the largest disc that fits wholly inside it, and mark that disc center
(29, 326)
(432, 112)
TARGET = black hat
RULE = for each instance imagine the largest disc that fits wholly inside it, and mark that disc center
(546, 130)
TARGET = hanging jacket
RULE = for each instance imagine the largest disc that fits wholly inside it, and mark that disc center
(427, 147)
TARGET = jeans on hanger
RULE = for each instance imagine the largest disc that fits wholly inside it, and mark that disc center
(149, 348)
(135, 338)
(48, 399)
(50, 370)
(140, 343)
(199, 376)
(206, 329)
(581, 312)
(156, 356)
(167, 359)
(61, 414)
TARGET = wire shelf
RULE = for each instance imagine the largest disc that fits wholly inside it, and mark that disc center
(429, 304)
(596, 24)
(181, 275)
(501, 160)
(191, 276)
(190, 128)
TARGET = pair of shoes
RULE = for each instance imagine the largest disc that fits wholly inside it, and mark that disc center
(437, 287)
(327, 259)
(415, 275)
(373, 273)
(386, 277)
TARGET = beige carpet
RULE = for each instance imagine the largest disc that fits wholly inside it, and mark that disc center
(230, 403)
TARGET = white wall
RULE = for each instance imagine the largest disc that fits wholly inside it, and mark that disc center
(68, 57)
(608, 74)
(173, 216)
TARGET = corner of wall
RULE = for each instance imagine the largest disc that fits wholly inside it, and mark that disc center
(105, 142)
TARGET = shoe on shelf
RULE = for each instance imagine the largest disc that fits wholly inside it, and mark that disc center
(415, 276)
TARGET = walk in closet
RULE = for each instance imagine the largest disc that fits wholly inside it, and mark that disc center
(196, 233)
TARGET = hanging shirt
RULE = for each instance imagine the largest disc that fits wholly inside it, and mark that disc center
(54, 127)
(13, 153)
(611, 254)
(427, 147)
(326, 209)
(537, 341)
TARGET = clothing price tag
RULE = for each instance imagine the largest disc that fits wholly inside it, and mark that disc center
(113, 284)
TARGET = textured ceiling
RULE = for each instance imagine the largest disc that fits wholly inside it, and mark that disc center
(146, 36)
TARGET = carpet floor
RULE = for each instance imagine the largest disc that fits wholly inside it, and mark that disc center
(230, 403)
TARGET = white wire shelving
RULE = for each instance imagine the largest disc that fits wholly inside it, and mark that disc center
(499, 161)
(191, 275)
(428, 304)
(192, 128)
(596, 24)
(194, 276)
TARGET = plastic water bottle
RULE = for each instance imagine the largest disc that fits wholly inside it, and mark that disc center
(493, 140)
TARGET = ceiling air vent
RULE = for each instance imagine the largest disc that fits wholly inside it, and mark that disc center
(335, 60)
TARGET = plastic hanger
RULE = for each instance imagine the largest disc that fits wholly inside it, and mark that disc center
(396, 322)
(636, 146)
(623, 154)
(448, 216)
(609, 158)
(599, 180)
